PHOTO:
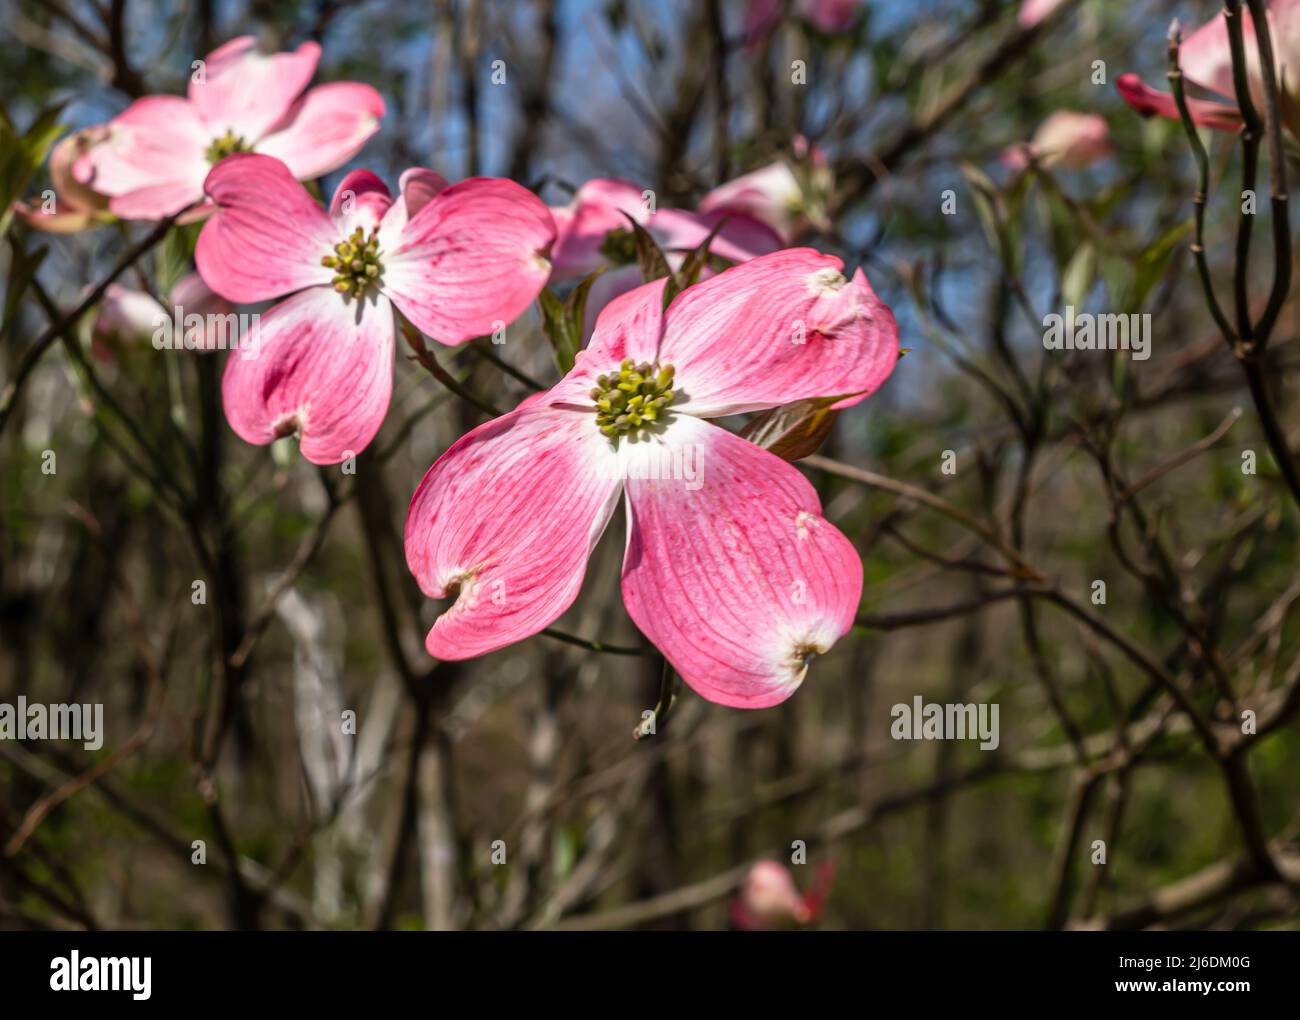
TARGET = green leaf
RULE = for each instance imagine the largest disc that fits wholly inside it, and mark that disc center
(175, 255)
(575, 308)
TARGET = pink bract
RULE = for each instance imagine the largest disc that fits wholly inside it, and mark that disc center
(457, 261)
(127, 315)
(159, 150)
(730, 567)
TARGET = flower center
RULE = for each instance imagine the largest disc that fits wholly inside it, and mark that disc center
(356, 263)
(619, 247)
(630, 401)
(227, 145)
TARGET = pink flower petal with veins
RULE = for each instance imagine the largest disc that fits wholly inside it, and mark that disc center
(127, 315)
(505, 521)
(267, 236)
(320, 368)
(244, 91)
(779, 328)
(472, 257)
(325, 128)
(732, 571)
(73, 193)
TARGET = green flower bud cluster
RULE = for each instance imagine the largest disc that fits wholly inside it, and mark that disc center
(356, 261)
(619, 246)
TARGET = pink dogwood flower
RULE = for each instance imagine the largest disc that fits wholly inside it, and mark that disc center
(1034, 11)
(593, 231)
(1067, 139)
(785, 197)
(457, 261)
(769, 898)
(1206, 60)
(73, 207)
(730, 568)
(160, 149)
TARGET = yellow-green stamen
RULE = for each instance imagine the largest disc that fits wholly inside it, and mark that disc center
(227, 145)
(356, 263)
(631, 401)
(619, 247)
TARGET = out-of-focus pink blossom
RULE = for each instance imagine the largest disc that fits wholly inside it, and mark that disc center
(720, 531)
(593, 231)
(125, 316)
(128, 316)
(1034, 11)
(828, 16)
(785, 196)
(1206, 61)
(770, 899)
(159, 150)
(1066, 139)
(74, 206)
(456, 260)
